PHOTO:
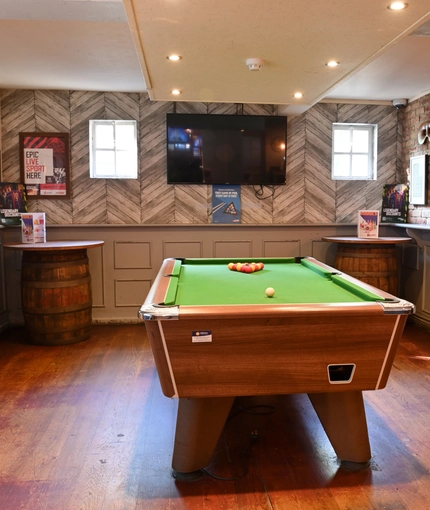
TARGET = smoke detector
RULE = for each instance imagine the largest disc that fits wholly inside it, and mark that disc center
(255, 64)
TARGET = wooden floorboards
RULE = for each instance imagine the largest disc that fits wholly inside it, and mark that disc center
(86, 426)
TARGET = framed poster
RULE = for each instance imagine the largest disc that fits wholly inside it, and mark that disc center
(45, 164)
(418, 187)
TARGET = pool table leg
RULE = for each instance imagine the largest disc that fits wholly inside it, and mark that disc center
(344, 419)
(198, 427)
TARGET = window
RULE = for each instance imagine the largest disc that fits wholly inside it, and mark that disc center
(113, 149)
(354, 151)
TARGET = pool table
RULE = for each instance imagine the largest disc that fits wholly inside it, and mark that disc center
(216, 335)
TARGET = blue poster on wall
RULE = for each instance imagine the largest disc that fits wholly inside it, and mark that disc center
(226, 203)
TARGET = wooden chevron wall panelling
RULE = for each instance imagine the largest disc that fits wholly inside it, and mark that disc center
(310, 196)
(122, 196)
(352, 196)
(52, 110)
(52, 114)
(289, 201)
(17, 115)
(89, 196)
(320, 189)
(192, 204)
(157, 198)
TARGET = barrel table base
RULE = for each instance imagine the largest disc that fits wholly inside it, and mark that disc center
(370, 263)
(56, 296)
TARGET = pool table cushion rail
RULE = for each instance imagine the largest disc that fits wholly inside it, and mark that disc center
(155, 312)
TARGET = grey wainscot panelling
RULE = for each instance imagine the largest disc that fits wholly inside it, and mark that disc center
(123, 269)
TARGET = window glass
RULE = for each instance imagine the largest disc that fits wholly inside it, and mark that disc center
(341, 165)
(360, 165)
(342, 140)
(360, 140)
(104, 136)
(105, 162)
(124, 161)
(124, 137)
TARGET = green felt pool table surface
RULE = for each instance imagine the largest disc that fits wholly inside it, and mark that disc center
(295, 280)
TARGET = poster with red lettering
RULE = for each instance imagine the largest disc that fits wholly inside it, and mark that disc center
(45, 164)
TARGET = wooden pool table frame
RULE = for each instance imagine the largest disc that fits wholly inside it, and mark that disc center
(270, 350)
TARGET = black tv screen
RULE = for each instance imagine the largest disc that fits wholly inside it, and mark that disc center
(226, 149)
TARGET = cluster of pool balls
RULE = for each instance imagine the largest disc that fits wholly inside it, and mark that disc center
(250, 267)
(246, 267)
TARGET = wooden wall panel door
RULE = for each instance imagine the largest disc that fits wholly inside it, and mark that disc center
(281, 248)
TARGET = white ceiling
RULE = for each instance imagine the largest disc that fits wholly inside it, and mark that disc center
(121, 45)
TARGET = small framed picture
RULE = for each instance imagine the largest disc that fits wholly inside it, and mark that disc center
(45, 164)
(418, 187)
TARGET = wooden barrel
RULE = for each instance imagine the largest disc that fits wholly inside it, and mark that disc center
(372, 264)
(56, 296)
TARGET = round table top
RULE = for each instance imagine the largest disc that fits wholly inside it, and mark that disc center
(55, 245)
(367, 240)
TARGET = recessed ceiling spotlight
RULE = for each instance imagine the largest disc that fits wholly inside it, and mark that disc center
(397, 6)
(298, 95)
(174, 58)
(175, 92)
(333, 63)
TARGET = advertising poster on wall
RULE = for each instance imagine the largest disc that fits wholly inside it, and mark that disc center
(13, 202)
(226, 206)
(45, 164)
(395, 202)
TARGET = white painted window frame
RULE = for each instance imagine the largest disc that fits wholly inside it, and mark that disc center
(372, 133)
(129, 171)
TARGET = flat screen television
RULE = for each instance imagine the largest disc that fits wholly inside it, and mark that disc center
(226, 149)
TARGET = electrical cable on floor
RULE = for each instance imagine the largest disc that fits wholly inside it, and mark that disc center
(270, 410)
(254, 437)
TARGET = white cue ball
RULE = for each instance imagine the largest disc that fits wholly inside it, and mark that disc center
(270, 292)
